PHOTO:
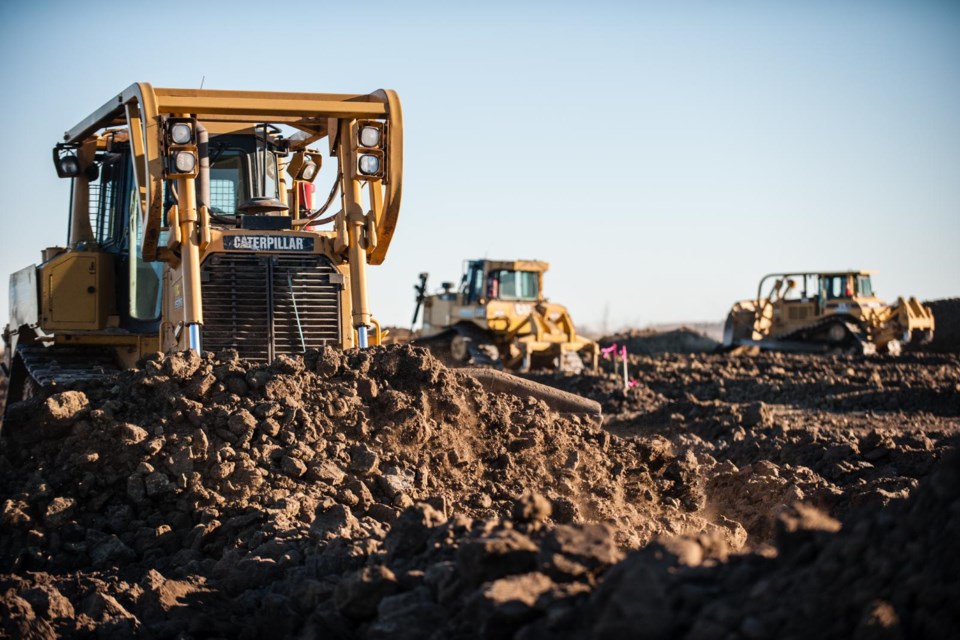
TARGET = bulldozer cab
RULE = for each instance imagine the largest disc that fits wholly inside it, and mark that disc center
(795, 297)
(845, 286)
(511, 281)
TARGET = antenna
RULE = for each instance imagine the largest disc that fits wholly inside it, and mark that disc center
(202, 80)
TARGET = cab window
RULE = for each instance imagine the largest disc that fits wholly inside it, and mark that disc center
(517, 285)
(106, 199)
(145, 277)
(473, 283)
(864, 286)
(835, 287)
(226, 182)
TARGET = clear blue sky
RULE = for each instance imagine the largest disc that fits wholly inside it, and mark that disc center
(662, 156)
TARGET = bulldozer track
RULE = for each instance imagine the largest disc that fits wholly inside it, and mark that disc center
(804, 340)
(64, 365)
(36, 366)
(479, 347)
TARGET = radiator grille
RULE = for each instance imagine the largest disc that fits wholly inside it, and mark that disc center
(251, 303)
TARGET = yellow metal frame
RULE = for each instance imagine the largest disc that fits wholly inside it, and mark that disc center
(140, 106)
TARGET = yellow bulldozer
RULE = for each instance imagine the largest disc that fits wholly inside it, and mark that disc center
(826, 312)
(498, 316)
(193, 225)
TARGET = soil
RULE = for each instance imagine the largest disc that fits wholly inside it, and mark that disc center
(378, 494)
(651, 342)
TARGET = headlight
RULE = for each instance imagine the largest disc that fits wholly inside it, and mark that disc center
(181, 133)
(369, 165)
(184, 161)
(309, 171)
(69, 166)
(369, 137)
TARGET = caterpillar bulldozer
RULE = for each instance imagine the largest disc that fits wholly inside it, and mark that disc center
(192, 225)
(826, 312)
(498, 316)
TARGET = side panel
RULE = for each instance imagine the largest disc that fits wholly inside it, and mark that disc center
(790, 314)
(77, 291)
(437, 315)
(24, 307)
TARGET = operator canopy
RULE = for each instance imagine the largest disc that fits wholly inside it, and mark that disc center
(231, 142)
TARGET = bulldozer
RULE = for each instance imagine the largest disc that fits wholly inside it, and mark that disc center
(498, 316)
(826, 312)
(193, 226)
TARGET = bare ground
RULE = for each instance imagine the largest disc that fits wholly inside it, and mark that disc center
(379, 494)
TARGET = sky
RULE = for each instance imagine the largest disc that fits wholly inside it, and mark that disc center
(661, 156)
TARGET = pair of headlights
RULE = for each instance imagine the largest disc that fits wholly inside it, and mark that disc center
(370, 136)
(181, 148)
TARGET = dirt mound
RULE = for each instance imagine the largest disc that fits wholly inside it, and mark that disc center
(229, 478)
(652, 342)
(377, 494)
(946, 334)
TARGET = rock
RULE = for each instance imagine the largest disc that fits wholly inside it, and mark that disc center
(18, 620)
(131, 433)
(411, 531)
(103, 607)
(631, 597)
(156, 484)
(59, 511)
(407, 616)
(162, 597)
(328, 362)
(688, 552)
(367, 388)
(242, 422)
(333, 521)
(48, 602)
(359, 595)
(111, 551)
(500, 607)
(61, 410)
(803, 517)
(880, 622)
(363, 460)
(287, 365)
(395, 482)
(328, 472)
(135, 489)
(592, 546)
(200, 387)
(250, 573)
(293, 467)
(532, 507)
(181, 365)
(756, 414)
(270, 427)
(501, 553)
